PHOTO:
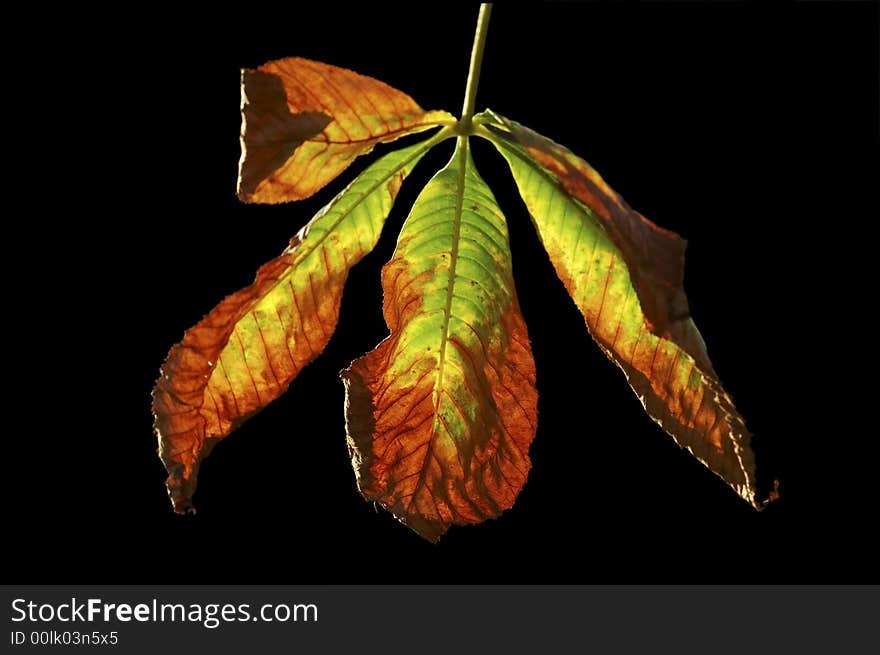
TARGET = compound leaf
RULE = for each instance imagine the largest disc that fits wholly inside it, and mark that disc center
(441, 414)
(625, 275)
(304, 122)
(249, 348)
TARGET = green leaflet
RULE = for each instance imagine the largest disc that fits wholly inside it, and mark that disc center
(440, 416)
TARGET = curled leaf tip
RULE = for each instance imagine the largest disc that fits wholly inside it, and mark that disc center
(304, 123)
(270, 133)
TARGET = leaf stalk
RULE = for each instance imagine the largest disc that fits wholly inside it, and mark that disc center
(473, 80)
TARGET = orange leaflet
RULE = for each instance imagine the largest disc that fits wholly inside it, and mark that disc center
(304, 122)
(249, 348)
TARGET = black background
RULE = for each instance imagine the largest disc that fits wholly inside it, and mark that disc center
(750, 130)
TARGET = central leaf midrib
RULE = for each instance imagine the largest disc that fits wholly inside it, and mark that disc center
(461, 153)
